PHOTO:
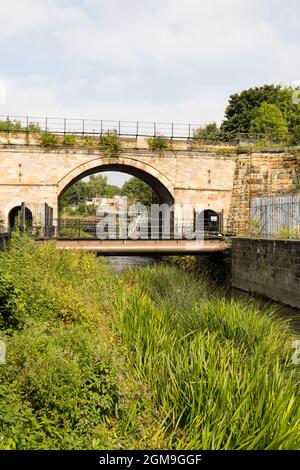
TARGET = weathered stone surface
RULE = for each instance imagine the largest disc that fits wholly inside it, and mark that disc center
(267, 267)
(206, 177)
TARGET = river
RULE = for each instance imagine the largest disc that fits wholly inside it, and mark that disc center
(291, 315)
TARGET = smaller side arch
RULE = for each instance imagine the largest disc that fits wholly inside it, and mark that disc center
(208, 221)
(15, 218)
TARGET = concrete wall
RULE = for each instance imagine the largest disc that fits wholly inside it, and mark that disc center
(268, 267)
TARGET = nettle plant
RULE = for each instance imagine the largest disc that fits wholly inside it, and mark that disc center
(110, 143)
(157, 143)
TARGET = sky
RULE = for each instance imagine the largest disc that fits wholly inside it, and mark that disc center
(146, 60)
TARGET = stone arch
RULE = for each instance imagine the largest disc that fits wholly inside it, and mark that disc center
(158, 181)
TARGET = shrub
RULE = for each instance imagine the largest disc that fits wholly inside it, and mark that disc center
(48, 139)
(33, 127)
(158, 142)
(12, 306)
(88, 141)
(110, 143)
(8, 125)
(69, 140)
(208, 133)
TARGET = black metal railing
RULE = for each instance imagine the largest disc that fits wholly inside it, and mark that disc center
(91, 229)
(133, 129)
(86, 127)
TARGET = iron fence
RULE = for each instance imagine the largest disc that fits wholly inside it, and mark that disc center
(275, 216)
(134, 129)
(90, 127)
(89, 228)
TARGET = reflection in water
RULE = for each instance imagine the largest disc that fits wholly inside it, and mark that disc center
(121, 263)
(291, 315)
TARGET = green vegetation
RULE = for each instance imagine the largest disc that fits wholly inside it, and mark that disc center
(110, 143)
(208, 133)
(16, 126)
(69, 140)
(154, 358)
(95, 186)
(137, 191)
(48, 139)
(157, 143)
(88, 141)
(292, 233)
(242, 109)
(268, 119)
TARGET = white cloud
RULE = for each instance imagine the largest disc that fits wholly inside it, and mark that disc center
(132, 59)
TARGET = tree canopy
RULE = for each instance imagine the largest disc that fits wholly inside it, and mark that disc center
(96, 185)
(242, 108)
(208, 132)
(137, 191)
(268, 119)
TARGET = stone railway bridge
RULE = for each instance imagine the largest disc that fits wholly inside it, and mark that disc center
(192, 176)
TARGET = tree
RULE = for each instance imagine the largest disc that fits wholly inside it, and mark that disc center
(268, 119)
(242, 107)
(208, 132)
(137, 191)
(95, 185)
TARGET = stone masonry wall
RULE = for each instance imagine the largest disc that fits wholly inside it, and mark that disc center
(260, 174)
(267, 267)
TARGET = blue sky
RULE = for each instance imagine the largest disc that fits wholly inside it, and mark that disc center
(162, 60)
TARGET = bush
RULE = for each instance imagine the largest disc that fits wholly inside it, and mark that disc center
(8, 125)
(33, 127)
(88, 141)
(69, 140)
(12, 306)
(110, 143)
(49, 140)
(157, 142)
(59, 384)
(208, 133)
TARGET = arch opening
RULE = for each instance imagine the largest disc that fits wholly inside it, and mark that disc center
(209, 221)
(162, 193)
(132, 202)
(20, 217)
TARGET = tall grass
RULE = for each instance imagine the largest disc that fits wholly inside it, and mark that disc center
(153, 358)
(63, 385)
(219, 372)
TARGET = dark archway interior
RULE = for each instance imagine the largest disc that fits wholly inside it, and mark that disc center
(161, 192)
(15, 216)
(208, 220)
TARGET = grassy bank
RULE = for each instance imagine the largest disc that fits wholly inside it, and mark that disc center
(153, 358)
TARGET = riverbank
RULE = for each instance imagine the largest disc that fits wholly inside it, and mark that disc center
(150, 358)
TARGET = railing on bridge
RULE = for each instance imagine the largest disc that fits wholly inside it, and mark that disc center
(133, 129)
(89, 228)
(69, 229)
(94, 127)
